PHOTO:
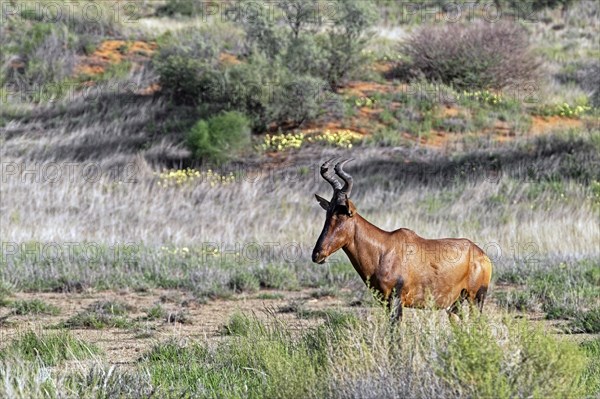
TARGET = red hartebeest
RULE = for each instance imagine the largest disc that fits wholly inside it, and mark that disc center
(446, 270)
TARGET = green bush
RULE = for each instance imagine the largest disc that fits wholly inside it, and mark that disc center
(185, 8)
(219, 137)
(296, 99)
(347, 39)
(244, 281)
(330, 50)
(262, 34)
(475, 56)
(186, 64)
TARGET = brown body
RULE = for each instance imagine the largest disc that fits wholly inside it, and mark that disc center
(420, 271)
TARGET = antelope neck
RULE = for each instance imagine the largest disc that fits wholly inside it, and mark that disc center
(364, 248)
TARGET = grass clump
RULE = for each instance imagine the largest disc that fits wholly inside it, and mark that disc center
(561, 291)
(591, 376)
(100, 315)
(270, 295)
(586, 322)
(34, 306)
(244, 281)
(535, 364)
(219, 137)
(257, 361)
(49, 348)
(426, 357)
(156, 312)
(277, 277)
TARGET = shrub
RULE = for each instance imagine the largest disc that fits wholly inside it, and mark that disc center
(186, 66)
(261, 32)
(479, 55)
(346, 39)
(185, 8)
(219, 137)
(296, 99)
(586, 75)
(305, 55)
(305, 47)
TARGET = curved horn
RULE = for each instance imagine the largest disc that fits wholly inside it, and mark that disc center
(329, 176)
(347, 189)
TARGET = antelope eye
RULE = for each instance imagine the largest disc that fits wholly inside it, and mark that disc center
(340, 209)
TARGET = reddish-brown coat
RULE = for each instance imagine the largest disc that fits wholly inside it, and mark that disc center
(421, 270)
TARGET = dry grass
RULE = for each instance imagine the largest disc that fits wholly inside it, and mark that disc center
(459, 198)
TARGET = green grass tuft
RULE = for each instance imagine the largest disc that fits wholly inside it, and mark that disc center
(34, 306)
(50, 348)
(100, 315)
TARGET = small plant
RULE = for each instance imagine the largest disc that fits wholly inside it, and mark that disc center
(244, 281)
(100, 315)
(181, 317)
(587, 322)
(277, 277)
(565, 110)
(34, 306)
(481, 96)
(156, 312)
(189, 176)
(339, 138)
(282, 142)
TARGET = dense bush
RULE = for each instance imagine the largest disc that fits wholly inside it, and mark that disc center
(329, 47)
(287, 69)
(185, 8)
(297, 99)
(346, 39)
(186, 65)
(479, 55)
(219, 137)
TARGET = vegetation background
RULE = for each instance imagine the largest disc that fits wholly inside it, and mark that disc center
(159, 160)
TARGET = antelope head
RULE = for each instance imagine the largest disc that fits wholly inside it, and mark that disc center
(339, 226)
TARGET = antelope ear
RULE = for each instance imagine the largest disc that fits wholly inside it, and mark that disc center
(351, 207)
(323, 202)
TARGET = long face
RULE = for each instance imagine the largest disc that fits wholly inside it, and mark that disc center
(337, 231)
(339, 225)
